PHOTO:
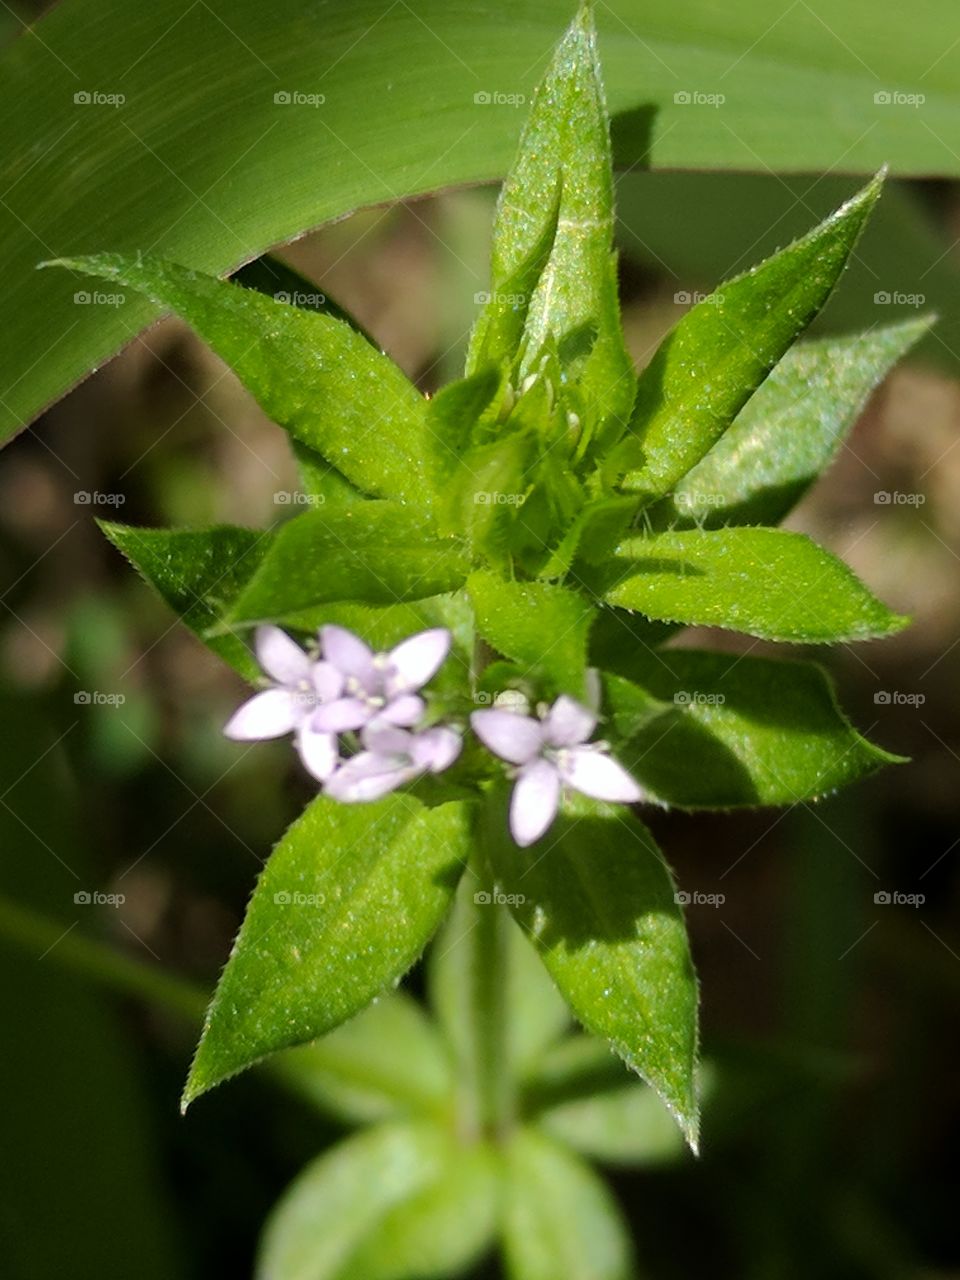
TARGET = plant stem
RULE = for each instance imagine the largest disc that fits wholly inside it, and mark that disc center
(489, 942)
(60, 944)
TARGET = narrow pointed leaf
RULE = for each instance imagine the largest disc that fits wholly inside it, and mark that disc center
(364, 1209)
(597, 901)
(738, 730)
(562, 184)
(766, 582)
(787, 433)
(348, 900)
(542, 627)
(200, 574)
(374, 552)
(310, 373)
(720, 352)
(559, 1217)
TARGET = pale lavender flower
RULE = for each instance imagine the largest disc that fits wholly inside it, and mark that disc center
(300, 685)
(552, 753)
(392, 757)
(380, 690)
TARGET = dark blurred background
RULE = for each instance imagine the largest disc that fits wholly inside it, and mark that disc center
(828, 1012)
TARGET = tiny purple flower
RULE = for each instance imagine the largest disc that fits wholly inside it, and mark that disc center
(380, 690)
(392, 757)
(552, 753)
(300, 685)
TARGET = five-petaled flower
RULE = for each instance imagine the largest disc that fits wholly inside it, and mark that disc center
(392, 757)
(552, 753)
(301, 683)
(380, 690)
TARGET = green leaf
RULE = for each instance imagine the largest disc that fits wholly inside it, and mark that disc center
(561, 183)
(768, 583)
(788, 432)
(719, 353)
(738, 730)
(309, 372)
(597, 901)
(559, 1218)
(542, 627)
(347, 902)
(210, 169)
(276, 279)
(199, 573)
(455, 414)
(347, 1074)
(374, 552)
(607, 1114)
(398, 1202)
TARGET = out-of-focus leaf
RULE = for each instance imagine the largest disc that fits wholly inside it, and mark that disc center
(787, 433)
(347, 902)
(620, 1120)
(542, 627)
(559, 1218)
(739, 731)
(768, 583)
(199, 573)
(718, 354)
(374, 552)
(311, 373)
(212, 158)
(366, 1209)
(597, 901)
(349, 1074)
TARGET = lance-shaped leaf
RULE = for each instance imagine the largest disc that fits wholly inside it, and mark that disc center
(348, 900)
(559, 1217)
(542, 627)
(766, 582)
(374, 552)
(398, 1202)
(199, 573)
(309, 372)
(737, 730)
(787, 433)
(723, 348)
(597, 901)
(560, 194)
(347, 1074)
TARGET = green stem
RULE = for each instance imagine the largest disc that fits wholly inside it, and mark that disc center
(489, 941)
(66, 947)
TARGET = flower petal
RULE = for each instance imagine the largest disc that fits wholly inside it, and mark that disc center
(388, 740)
(510, 736)
(266, 715)
(596, 774)
(327, 681)
(568, 722)
(348, 654)
(533, 805)
(367, 776)
(404, 711)
(411, 664)
(341, 715)
(436, 749)
(318, 752)
(280, 657)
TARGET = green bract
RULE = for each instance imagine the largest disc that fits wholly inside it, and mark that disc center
(561, 517)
